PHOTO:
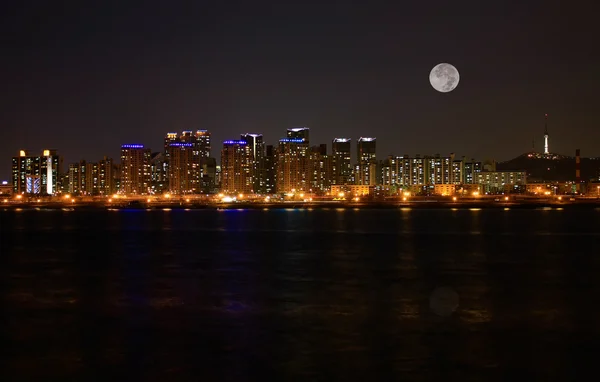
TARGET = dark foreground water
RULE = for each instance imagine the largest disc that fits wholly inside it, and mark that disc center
(288, 295)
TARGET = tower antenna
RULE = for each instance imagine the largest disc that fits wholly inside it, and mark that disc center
(546, 136)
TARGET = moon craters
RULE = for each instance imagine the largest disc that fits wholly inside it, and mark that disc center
(444, 77)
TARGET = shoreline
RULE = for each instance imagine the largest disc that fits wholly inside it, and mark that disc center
(528, 204)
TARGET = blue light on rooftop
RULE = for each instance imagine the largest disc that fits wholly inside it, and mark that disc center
(292, 140)
(235, 142)
(181, 144)
(132, 146)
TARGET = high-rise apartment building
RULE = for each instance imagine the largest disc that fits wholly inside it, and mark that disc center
(77, 178)
(367, 162)
(91, 179)
(202, 143)
(208, 171)
(159, 179)
(293, 165)
(236, 168)
(439, 170)
(472, 168)
(341, 161)
(270, 169)
(184, 168)
(135, 170)
(458, 171)
(106, 182)
(37, 175)
(299, 133)
(320, 168)
(389, 171)
(169, 138)
(293, 161)
(256, 146)
(418, 171)
(199, 146)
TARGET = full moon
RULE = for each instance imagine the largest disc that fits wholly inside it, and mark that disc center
(444, 78)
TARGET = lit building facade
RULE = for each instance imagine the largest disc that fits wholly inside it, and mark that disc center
(458, 171)
(320, 168)
(500, 181)
(77, 178)
(367, 161)
(341, 161)
(256, 146)
(299, 133)
(444, 189)
(135, 170)
(293, 165)
(183, 171)
(208, 171)
(439, 170)
(389, 171)
(159, 178)
(236, 168)
(351, 190)
(293, 161)
(270, 169)
(106, 177)
(202, 143)
(38, 175)
(91, 178)
(471, 169)
(185, 175)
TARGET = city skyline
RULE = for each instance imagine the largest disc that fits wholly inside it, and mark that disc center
(172, 139)
(541, 145)
(83, 84)
(247, 166)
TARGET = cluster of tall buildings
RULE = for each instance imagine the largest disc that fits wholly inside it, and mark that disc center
(185, 166)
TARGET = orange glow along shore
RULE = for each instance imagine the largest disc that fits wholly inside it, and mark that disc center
(413, 202)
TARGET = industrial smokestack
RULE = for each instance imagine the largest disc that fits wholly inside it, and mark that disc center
(577, 169)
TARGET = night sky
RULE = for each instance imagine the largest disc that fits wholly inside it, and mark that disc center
(85, 78)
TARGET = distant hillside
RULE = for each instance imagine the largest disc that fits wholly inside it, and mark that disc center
(552, 167)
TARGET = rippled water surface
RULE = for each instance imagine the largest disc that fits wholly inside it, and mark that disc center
(291, 295)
